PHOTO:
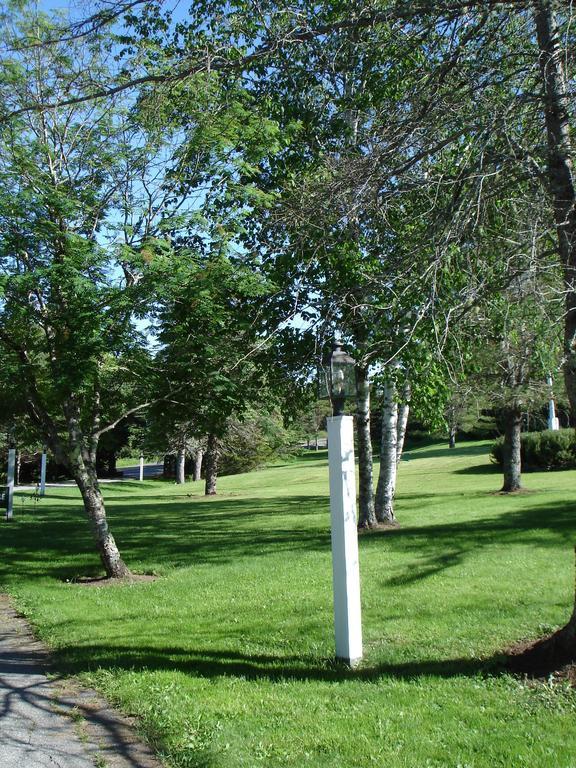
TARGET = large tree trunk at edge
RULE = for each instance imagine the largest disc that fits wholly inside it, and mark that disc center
(560, 174)
(387, 477)
(511, 461)
(181, 466)
(198, 465)
(94, 507)
(366, 514)
(212, 455)
(563, 194)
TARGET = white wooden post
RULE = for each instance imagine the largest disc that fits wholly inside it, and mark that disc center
(553, 422)
(345, 565)
(43, 474)
(11, 470)
(141, 467)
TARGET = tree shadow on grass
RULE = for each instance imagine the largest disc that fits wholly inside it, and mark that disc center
(479, 469)
(461, 450)
(212, 663)
(183, 532)
(439, 547)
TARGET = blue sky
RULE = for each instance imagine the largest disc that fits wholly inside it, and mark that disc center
(78, 8)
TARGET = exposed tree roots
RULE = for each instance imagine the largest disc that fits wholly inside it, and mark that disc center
(552, 657)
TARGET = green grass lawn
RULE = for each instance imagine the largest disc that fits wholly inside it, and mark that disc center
(131, 461)
(227, 657)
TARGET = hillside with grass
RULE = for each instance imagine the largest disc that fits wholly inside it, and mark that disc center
(226, 657)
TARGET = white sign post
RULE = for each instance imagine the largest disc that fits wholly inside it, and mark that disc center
(141, 467)
(345, 565)
(553, 422)
(43, 473)
(11, 470)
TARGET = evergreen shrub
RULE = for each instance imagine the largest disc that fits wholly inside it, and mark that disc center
(550, 449)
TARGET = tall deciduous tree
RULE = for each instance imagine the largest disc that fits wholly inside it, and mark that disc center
(209, 326)
(69, 290)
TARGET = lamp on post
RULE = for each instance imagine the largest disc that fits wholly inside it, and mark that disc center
(342, 379)
(344, 534)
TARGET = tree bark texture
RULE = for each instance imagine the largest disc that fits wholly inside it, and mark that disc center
(81, 458)
(560, 172)
(181, 466)
(563, 193)
(384, 503)
(211, 470)
(403, 413)
(366, 513)
(511, 450)
(198, 465)
(452, 437)
(94, 506)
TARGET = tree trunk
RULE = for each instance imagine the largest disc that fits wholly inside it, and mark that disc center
(388, 452)
(181, 466)
(452, 437)
(94, 507)
(560, 172)
(366, 514)
(511, 460)
(563, 194)
(17, 466)
(198, 465)
(403, 414)
(212, 455)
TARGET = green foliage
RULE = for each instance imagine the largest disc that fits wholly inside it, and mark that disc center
(550, 449)
(253, 441)
(209, 317)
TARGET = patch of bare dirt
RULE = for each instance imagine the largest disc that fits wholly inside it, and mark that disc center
(519, 492)
(379, 528)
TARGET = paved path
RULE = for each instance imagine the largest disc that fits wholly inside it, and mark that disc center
(53, 723)
(128, 474)
(150, 470)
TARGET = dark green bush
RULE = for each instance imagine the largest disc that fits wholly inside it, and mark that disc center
(543, 450)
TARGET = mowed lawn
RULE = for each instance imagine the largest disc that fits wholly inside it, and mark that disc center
(227, 657)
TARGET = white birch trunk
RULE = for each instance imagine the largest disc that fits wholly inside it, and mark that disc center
(366, 517)
(181, 466)
(198, 464)
(384, 505)
(403, 413)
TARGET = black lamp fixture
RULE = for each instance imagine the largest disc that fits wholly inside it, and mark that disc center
(342, 378)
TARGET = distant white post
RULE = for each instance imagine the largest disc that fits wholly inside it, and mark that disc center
(553, 421)
(141, 466)
(43, 473)
(345, 565)
(11, 470)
